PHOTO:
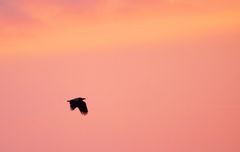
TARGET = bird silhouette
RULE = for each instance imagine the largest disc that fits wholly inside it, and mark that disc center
(80, 104)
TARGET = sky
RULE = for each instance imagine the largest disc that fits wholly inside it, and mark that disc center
(158, 75)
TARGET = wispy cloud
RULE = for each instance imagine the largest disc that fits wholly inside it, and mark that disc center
(10, 11)
(70, 25)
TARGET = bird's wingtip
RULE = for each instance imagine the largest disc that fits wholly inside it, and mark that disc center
(84, 113)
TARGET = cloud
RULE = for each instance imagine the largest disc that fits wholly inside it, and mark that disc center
(11, 11)
(25, 11)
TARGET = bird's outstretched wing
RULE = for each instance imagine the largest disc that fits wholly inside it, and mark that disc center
(72, 105)
(83, 108)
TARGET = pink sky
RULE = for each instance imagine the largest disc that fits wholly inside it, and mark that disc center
(157, 75)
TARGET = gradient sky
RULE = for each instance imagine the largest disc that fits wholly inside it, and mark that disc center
(158, 75)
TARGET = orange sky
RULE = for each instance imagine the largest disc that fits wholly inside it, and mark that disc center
(157, 75)
(43, 26)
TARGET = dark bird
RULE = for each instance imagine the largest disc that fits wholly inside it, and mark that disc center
(78, 102)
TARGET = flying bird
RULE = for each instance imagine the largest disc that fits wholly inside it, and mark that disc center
(80, 104)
